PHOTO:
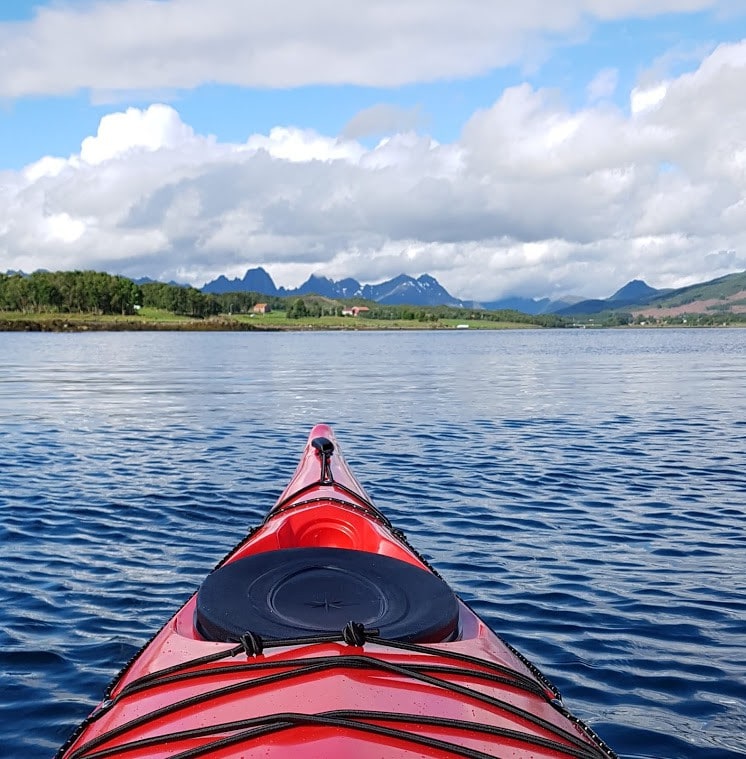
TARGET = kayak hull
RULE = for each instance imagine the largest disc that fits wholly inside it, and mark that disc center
(281, 676)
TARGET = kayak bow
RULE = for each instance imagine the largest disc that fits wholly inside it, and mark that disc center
(325, 633)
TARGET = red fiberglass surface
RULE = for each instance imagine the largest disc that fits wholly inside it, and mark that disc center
(473, 696)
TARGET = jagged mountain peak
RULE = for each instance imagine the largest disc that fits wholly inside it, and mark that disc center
(255, 280)
(402, 289)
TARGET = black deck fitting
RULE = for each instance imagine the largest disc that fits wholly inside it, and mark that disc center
(323, 445)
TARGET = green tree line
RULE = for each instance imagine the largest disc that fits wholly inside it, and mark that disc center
(314, 309)
(68, 292)
(185, 301)
(435, 313)
(190, 302)
(95, 292)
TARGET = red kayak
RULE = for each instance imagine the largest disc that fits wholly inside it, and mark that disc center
(325, 634)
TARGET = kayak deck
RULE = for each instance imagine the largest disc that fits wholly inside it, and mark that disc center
(310, 678)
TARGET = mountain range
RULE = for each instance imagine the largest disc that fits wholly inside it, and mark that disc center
(726, 293)
(402, 290)
(634, 293)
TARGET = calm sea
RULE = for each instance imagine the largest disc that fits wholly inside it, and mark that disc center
(585, 491)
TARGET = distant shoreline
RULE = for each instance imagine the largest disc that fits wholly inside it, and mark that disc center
(76, 324)
(125, 325)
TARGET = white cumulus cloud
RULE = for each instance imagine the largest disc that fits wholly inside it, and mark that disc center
(159, 126)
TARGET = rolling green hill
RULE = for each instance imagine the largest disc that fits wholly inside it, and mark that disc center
(722, 288)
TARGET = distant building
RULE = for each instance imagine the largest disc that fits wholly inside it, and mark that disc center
(261, 308)
(354, 311)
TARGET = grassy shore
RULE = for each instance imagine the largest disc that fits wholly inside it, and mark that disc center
(150, 319)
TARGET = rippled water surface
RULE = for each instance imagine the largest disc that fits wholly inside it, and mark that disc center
(584, 490)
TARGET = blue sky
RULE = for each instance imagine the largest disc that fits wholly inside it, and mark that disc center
(547, 148)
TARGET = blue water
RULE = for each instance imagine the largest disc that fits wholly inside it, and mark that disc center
(584, 490)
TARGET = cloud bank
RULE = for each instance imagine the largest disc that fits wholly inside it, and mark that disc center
(142, 45)
(534, 197)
